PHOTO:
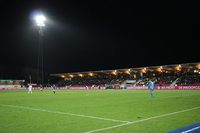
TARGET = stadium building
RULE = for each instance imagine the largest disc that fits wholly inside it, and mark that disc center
(174, 76)
(11, 84)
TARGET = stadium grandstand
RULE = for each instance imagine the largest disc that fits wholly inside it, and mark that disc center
(11, 84)
(187, 74)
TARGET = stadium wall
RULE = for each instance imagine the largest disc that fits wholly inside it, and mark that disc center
(166, 88)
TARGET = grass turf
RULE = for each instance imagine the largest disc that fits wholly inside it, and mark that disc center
(126, 105)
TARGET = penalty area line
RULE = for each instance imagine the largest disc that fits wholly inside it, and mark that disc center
(150, 118)
(63, 113)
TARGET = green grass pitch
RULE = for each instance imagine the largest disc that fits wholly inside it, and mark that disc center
(102, 111)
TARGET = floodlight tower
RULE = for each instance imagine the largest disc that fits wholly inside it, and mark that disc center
(40, 22)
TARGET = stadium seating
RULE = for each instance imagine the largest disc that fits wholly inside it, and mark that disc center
(159, 79)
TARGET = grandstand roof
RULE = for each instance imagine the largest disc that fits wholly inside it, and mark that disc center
(195, 67)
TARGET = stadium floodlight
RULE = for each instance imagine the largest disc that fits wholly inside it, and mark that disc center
(40, 20)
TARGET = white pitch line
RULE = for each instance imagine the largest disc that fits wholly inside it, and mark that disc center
(63, 113)
(133, 122)
(179, 96)
(190, 130)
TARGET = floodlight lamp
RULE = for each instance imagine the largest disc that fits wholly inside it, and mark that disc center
(40, 20)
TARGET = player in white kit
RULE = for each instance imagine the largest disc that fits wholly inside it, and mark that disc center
(30, 89)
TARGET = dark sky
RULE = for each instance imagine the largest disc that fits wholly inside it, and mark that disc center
(96, 35)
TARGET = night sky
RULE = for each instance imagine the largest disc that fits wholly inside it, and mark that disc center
(98, 35)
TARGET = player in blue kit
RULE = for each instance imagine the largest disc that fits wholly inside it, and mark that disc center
(151, 87)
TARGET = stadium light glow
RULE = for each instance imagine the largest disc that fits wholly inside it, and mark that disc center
(198, 66)
(40, 20)
(80, 75)
(114, 72)
(144, 70)
(128, 71)
(160, 69)
(91, 74)
(63, 76)
(71, 75)
(178, 68)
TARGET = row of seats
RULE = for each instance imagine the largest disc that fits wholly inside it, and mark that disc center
(159, 79)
